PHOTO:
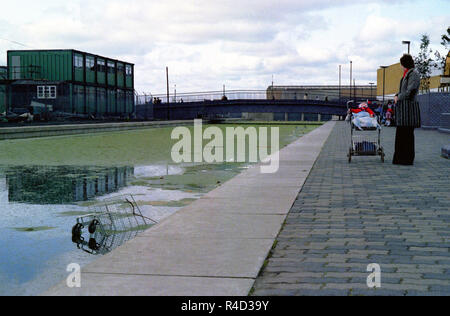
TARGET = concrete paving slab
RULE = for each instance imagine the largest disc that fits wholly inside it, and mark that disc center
(242, 206)
(200, 257)
(218, 224)
(94, 284)
(258, 181)
(248, 192)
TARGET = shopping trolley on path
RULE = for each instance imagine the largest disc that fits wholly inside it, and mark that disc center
(365, 141)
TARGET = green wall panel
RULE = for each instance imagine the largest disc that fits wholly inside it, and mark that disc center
(2, 98)
(47, 65)
(101, 100)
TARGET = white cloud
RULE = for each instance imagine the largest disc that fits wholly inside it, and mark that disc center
(233, 42)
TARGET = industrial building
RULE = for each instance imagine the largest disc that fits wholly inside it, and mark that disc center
(67, 82)
(322, 92)
(389, 80)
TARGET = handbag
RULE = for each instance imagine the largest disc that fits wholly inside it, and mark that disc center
(408, 114)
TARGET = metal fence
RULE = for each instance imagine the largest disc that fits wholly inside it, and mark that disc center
(315, 93)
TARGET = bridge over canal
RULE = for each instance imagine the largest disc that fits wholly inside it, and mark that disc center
(235, 108)
(234, 103)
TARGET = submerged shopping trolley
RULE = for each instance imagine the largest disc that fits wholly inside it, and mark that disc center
(109, 224)
(365, 141)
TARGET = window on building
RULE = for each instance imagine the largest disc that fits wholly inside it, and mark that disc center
(90, 63)
(41, 92)
(101, 65)
(111, 67)
(129, 70)
(46, 92)
(78, 61)
(120, 68)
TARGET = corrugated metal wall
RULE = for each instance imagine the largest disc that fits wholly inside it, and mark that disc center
(37, 65)
(2, 98)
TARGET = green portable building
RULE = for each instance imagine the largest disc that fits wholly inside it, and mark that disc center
(91, 84)
(3, 87)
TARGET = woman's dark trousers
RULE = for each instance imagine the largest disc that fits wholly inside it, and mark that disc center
(405, 151)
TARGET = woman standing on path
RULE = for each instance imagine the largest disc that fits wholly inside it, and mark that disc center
(409, 86)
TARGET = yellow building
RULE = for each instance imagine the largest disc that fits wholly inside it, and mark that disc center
(393, 74)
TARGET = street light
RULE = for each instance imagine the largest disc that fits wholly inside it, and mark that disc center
(384, 79)
(407, 43)
(371, 89)
(351, 78)
(168, 100)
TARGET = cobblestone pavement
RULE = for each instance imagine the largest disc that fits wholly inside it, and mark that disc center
(348, 216)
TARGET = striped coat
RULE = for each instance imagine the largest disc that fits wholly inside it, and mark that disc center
(407, 109)
(409, 86)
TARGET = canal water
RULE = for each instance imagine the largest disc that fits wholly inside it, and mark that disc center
(47, 183)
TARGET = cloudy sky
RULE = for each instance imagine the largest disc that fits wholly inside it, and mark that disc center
(239, 43)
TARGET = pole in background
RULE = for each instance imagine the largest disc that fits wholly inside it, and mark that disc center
(384, 80)
(175, 93)
(273, 96)
(409, 45)
(340, 81)
(371, 89)
(168, 101)
(351, 78)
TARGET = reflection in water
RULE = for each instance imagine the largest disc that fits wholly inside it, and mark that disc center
(61, 185)
(110, 224)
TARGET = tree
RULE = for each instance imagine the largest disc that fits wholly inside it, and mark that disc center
(424, 63)
(446, 39)
(440, 59)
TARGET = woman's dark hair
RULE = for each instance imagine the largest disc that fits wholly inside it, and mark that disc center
(407, 61)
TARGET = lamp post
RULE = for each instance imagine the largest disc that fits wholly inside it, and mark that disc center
(371, 89)
(340, 81)
(351, 77)
(384, 80)
(168, 101)
(407, 43)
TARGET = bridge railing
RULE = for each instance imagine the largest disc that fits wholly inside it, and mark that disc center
(276, 94)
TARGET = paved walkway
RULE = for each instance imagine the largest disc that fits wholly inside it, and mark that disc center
(348, 216)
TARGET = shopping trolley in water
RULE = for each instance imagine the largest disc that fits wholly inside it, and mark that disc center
(365, 141)
(109, 224)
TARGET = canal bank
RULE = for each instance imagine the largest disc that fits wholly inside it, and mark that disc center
(35, 131)
(215, 246)
(76, 129)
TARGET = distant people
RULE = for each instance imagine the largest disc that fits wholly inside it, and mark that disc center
(379, 111)
(326, 99)
(389, 115)
(305, 97)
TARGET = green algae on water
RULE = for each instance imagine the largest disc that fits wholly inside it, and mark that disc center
(32, 229)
